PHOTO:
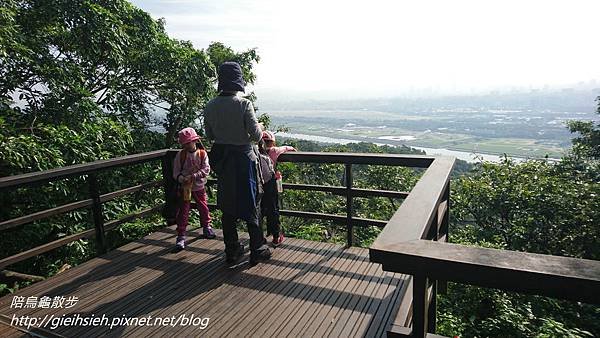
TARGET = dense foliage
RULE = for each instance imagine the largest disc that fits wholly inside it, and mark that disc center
(535, 207)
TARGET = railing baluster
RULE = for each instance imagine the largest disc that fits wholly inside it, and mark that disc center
(97, 212)
(349, 209)
(432, 307)
(169, 187)
(420, 313)
(443, 232)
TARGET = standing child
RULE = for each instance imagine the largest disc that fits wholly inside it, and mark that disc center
(190, 170)
(272, 148)
(270, 199)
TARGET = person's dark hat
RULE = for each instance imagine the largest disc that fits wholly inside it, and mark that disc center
(230, 77)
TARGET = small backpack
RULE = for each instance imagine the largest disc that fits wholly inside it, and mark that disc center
(183, 156)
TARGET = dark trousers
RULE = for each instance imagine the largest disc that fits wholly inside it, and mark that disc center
(230, 235)
(269, 208)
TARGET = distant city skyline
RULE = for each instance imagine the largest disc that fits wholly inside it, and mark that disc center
(334, 49)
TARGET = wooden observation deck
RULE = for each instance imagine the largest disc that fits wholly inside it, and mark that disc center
(307, 288)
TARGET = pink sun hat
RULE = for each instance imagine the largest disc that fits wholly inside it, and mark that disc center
(268, 136)
(187, 135)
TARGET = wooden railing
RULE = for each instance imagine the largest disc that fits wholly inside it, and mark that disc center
(95, 201)
(166, 157)
(413, 242)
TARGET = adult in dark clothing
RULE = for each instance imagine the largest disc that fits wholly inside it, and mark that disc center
(230, 122)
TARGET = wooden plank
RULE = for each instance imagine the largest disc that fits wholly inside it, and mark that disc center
(365, 287)
(401, 331)
(140, 214)
(265, 289)
(78, 169)
(277, 291)
(7, 330)
(213, 284)
(45, 248)
(536, 274)
(335, 190)
(85, 281)
(417, 161)
(301, 315)
(296, 295)
(152, 273)
(389, 285)
(415, 215)
(349, 206)
(335, 218)
(404, 315)
(11, 223)
(242, 294)
(378, 193)
(364, 309)
(384, 315)
(166, 285)
(317, 294)
(342, 298)
(65, 283)
(115, 194)
(342, 191)
(441, 213)
(158, 284)
(68, 239)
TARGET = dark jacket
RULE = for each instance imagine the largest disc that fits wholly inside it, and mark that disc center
(239, 185)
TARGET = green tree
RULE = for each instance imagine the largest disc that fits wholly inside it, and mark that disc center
(587, 144)
(68, 61)
(535, 206)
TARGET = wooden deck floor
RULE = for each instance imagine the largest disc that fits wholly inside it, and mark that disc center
(306, 289)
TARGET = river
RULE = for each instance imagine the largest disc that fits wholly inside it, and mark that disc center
(462, 155)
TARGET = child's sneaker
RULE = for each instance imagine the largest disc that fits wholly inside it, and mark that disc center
(180, 242)
(278, 240)
(208, 232)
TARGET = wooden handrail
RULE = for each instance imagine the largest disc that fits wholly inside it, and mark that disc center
(414, 242)
(11, 223)
(417, 212)
(502, 269)
(414, 161)
(78, 169)
(166, 156)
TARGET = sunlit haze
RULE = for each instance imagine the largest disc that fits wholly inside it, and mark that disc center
(381, 48)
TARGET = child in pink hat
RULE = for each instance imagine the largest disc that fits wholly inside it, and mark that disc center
(270, 199)
(272, 149)
(190, 170)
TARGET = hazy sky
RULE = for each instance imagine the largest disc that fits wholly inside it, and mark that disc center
(373, 47)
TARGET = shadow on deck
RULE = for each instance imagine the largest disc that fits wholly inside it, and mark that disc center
(306, 289)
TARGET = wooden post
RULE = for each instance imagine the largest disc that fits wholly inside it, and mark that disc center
(350, 226)
(97, 212)
(169, 187)
(432, 308)
(420, 313)
(442, 284)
